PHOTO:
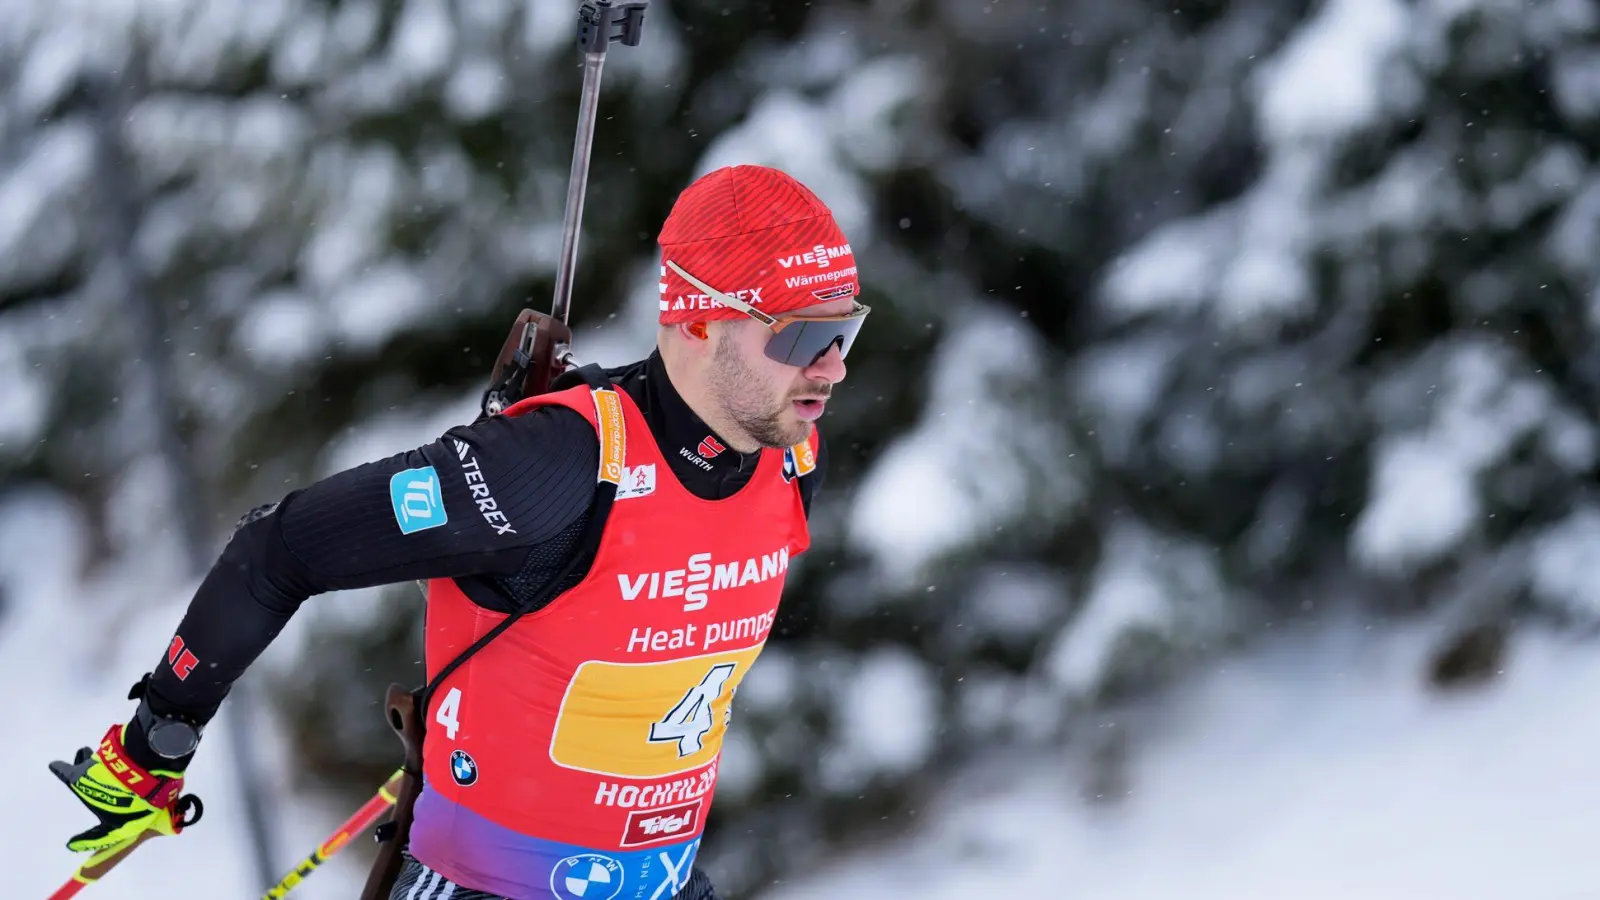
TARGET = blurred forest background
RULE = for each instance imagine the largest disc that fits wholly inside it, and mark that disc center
(1193, 319)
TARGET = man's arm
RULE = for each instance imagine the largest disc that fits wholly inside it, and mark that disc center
(471, 503)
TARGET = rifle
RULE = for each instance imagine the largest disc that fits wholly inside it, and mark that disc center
(536, 352)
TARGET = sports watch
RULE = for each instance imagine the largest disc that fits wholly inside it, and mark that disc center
(169, 738)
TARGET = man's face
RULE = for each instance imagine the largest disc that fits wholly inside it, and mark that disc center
(772, 403)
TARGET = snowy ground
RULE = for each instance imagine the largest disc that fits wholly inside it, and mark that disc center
(1315, 767)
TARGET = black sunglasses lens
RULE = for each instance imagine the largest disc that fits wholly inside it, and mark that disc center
(803, 343)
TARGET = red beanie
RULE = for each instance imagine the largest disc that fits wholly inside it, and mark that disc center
(757, 234)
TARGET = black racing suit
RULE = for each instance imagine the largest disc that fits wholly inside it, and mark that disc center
(340, 534)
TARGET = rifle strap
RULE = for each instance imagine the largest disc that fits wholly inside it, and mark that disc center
(605, 493)
(395, 832)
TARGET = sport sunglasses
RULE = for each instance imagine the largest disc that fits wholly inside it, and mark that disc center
(796, 340)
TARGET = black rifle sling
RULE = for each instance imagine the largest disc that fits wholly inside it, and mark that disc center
(605, 493)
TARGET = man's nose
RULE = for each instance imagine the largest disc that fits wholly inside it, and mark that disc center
(829, 366)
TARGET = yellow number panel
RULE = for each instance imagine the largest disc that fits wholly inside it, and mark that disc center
(647, 720)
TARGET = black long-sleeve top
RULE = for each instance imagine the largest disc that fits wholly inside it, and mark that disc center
(516, 493)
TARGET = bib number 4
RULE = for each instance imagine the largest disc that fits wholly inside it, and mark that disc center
(646, 720)
(691, 720)
(449, 714)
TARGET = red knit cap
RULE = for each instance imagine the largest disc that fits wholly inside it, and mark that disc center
(757, 234)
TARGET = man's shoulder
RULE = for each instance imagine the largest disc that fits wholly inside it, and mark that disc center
(629, 370)
(630, 377)
(539, 429)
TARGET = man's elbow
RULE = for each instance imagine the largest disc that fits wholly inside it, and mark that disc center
(273, 575)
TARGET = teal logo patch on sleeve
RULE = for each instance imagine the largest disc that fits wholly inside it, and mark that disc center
(418, 504)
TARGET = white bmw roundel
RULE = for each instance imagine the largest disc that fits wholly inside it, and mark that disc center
(463, 768)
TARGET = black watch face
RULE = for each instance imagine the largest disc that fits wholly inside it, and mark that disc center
(172, 739)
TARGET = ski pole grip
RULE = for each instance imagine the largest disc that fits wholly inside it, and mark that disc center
(602, 21)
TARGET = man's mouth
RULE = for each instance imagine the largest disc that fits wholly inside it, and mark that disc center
(810, 408)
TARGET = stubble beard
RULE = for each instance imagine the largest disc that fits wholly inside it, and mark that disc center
(769, 425)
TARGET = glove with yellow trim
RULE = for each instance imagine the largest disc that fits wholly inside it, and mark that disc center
(126, 797)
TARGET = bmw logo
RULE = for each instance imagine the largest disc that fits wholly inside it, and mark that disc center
(463, 768)
(587, 876)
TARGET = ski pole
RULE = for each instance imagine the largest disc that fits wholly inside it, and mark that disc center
(363, 817)
(98, 865)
